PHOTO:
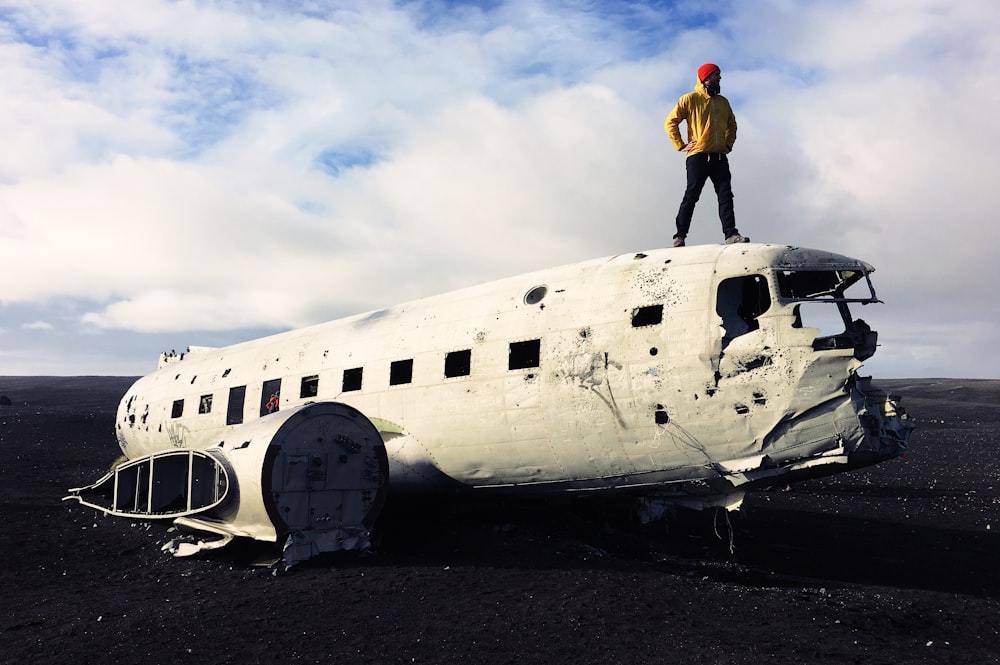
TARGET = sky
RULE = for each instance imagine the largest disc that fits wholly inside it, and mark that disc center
(203, 173)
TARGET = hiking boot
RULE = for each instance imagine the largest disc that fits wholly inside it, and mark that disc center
(678, 241)
(735, 238)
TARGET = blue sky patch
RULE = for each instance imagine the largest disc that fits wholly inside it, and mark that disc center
(335, 161)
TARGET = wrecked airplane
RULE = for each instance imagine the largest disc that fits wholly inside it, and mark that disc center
(674, 376)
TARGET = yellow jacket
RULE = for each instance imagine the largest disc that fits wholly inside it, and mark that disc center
(710, 121)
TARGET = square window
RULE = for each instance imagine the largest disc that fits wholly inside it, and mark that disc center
(458, 363)
(400, 371)
(178, 409)
(205, 404)
(352, 379)
(310, 387)
(524, 354)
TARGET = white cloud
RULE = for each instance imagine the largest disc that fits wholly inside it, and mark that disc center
(195, 166)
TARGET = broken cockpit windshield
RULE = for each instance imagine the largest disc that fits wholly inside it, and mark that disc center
(815, 291)
(828, 285)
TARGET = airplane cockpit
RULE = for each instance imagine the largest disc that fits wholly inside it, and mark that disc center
(815, 290)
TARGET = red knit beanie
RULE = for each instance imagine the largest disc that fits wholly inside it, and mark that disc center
(706, 70)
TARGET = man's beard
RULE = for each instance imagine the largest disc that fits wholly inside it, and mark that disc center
(713, 89)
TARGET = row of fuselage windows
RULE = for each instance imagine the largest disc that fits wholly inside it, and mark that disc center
(522, 355)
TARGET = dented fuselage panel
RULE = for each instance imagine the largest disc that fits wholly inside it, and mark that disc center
(680, 375)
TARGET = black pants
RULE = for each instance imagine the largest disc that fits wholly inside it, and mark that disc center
(701, 167)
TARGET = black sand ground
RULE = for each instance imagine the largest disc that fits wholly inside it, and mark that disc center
(896, 564)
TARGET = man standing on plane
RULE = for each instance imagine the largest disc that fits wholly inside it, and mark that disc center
(711, 133)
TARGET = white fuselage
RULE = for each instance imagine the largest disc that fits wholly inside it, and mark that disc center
(628, 372)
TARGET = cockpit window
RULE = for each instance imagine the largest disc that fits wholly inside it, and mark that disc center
(740, 301)
(823, 285)
(814, 291)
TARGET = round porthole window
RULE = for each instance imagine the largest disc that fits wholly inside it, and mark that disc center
(535, 295)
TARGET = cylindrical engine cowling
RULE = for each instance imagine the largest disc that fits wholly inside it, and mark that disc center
(316, 474)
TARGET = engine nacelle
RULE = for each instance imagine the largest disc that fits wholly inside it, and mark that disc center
(315, 475)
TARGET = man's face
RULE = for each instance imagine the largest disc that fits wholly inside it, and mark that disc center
(712, 85)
